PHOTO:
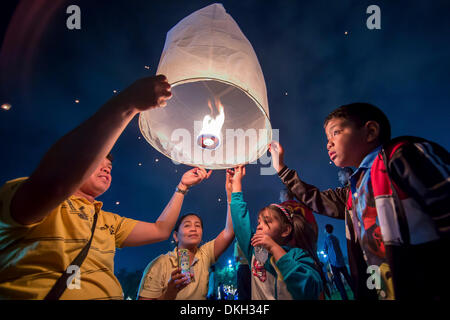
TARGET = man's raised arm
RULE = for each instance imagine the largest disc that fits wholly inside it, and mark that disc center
(76, 155)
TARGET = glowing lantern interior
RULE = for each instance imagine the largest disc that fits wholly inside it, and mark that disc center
(218, 116)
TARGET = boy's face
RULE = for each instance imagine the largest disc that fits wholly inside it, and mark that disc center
(347, 145)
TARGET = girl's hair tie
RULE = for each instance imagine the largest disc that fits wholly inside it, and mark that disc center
(286, 213)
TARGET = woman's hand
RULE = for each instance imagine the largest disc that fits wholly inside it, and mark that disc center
(234, 179)
(193, 177)
(277, 153)
(177, 282)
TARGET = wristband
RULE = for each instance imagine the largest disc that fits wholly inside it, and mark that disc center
(181, 191)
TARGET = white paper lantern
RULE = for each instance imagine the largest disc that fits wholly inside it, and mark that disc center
(218, 116)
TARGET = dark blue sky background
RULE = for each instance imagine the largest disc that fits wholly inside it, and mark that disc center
(303, 51)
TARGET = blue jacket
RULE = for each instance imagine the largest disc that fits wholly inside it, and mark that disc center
(293, 276)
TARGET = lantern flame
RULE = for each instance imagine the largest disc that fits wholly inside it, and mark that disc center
(213, 125)
(209, 137)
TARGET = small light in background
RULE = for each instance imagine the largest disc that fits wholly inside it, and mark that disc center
(346, 32)
(6, 106)
(147, 67)
(77, 101)
(114, 91)
(139, 138)
(117, 202)
(285, 93)
(156, 160)
(139, 164)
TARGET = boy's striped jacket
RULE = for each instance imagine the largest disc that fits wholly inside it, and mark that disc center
(411, 190)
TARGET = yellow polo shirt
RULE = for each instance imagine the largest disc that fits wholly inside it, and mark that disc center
(158, 272)
(33, 257)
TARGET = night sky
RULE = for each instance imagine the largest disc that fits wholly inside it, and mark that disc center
(315, 56)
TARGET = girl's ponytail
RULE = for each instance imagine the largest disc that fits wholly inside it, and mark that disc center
(304, 236)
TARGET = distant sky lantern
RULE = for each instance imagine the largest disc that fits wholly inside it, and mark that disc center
(218, 116)
(6, 106)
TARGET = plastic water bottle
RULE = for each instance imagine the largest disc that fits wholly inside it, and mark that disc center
(261, 254)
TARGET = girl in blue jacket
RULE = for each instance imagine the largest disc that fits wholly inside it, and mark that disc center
(291, 270)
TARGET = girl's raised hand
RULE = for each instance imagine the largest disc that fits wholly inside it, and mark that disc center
(234, 179)
(228, 183)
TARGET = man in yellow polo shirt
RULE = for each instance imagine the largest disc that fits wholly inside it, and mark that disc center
(46, 219)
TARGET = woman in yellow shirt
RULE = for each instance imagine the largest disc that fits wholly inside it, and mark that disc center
(163, 280)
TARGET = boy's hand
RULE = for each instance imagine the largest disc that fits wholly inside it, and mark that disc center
(235, 178)
(193, 177)
(146, 93)
(277, 153)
